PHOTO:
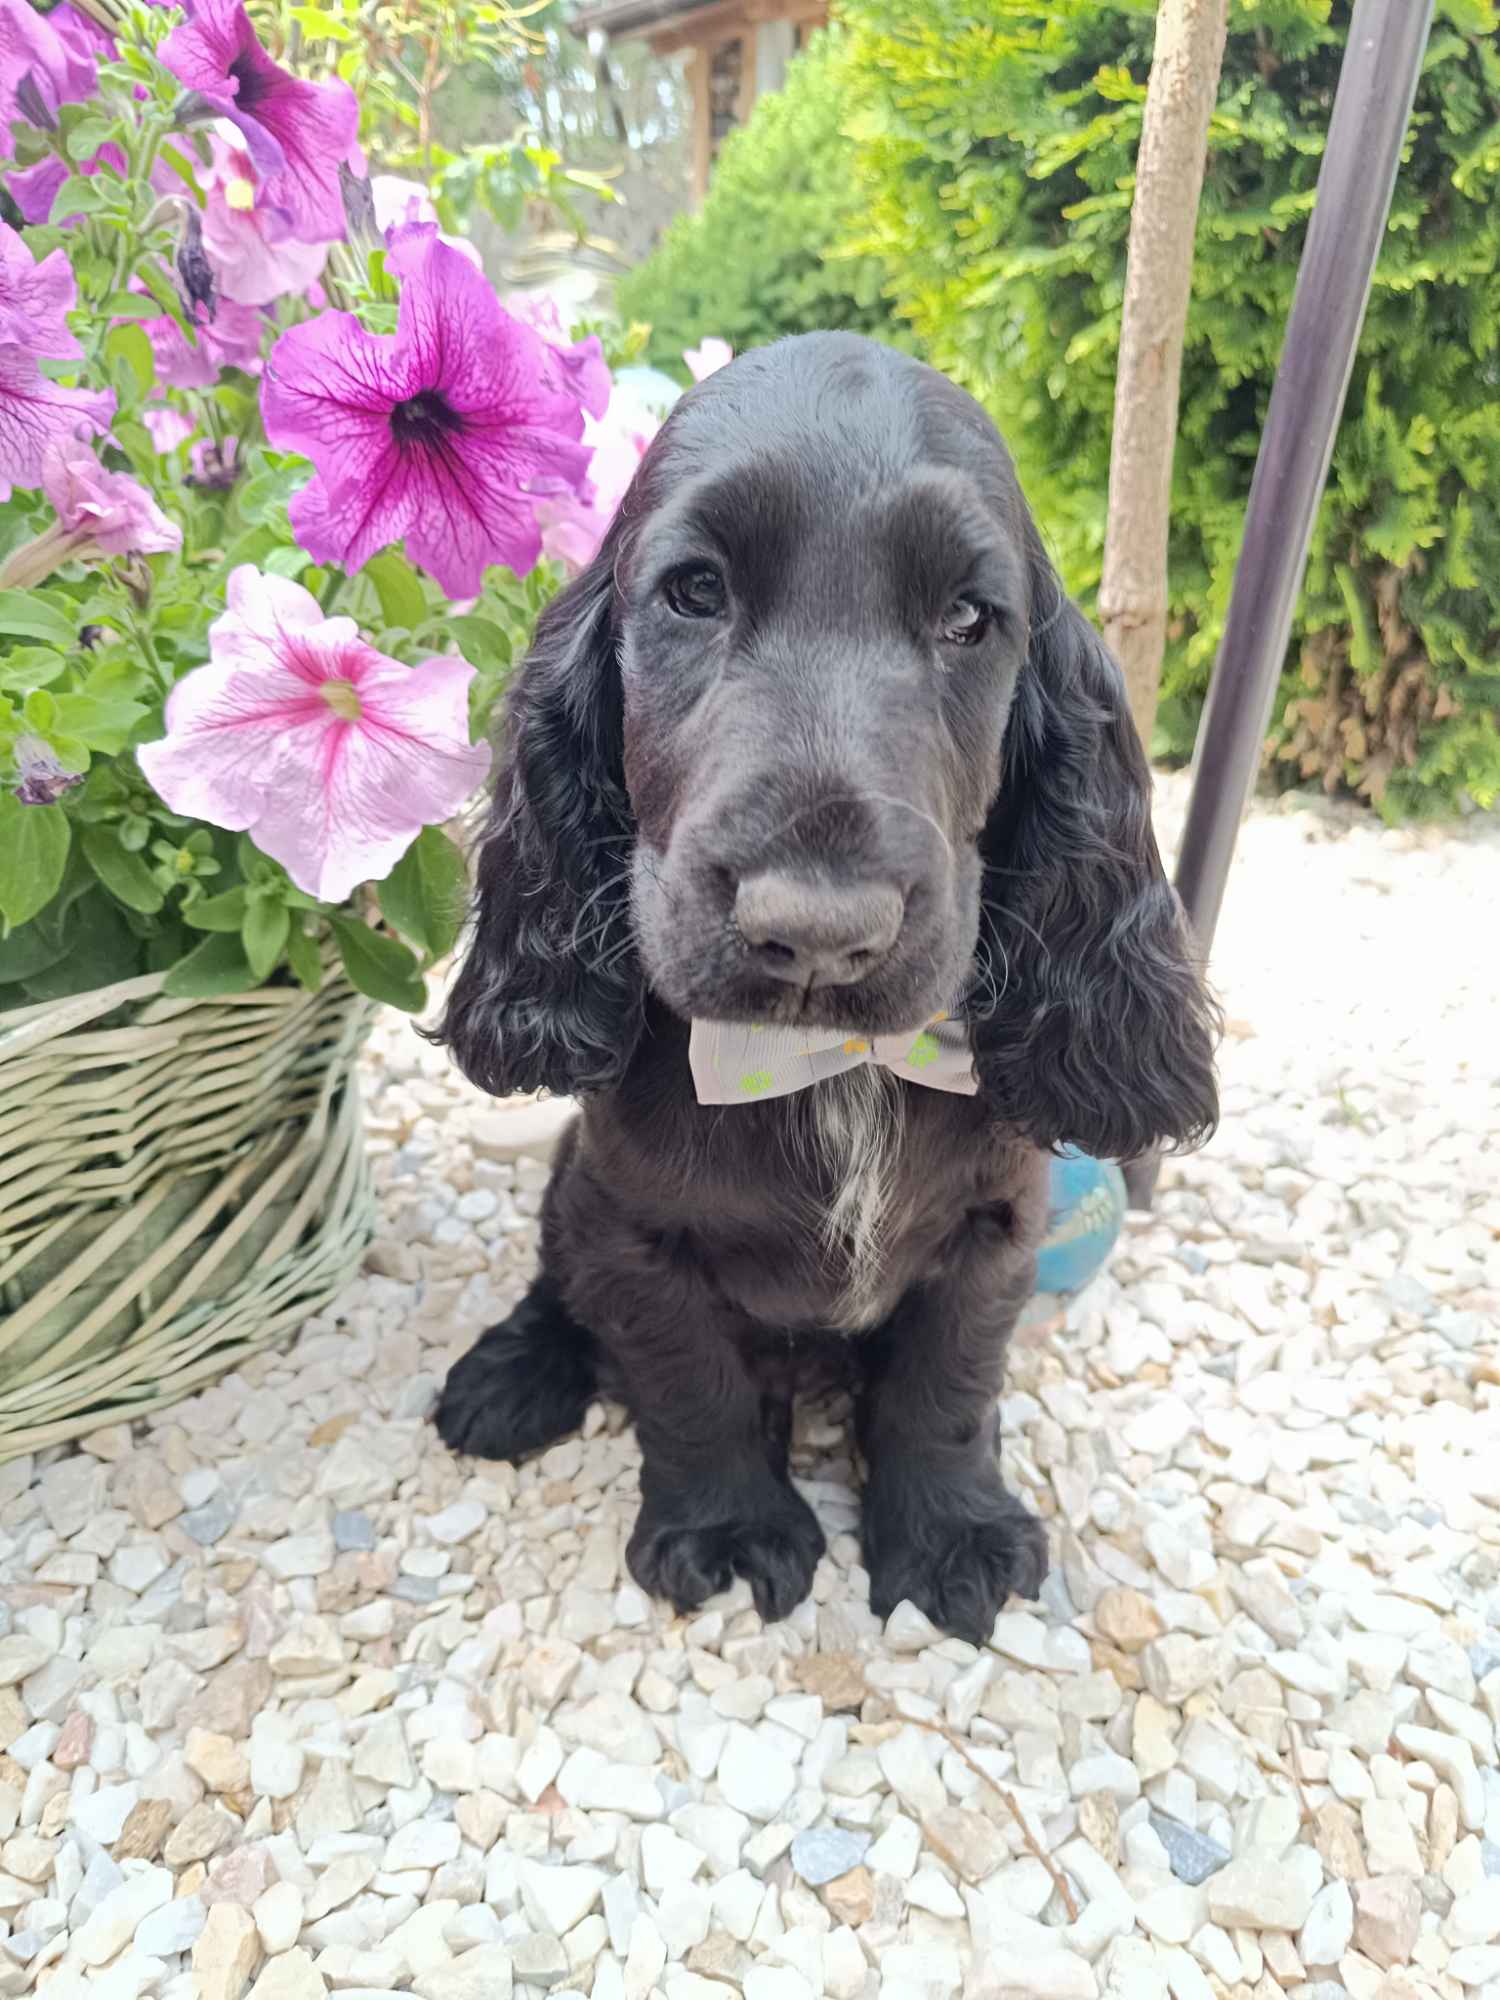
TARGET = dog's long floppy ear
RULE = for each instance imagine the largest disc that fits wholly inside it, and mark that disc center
(1098, 1030)
(551, 991)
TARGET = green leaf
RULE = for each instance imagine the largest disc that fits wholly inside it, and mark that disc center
(31, 616)
(399, 588)
(101, 949)
(269, 490)
(287, 560)
(425, 894)
(317, 21)
(304, 957)
(128, 305)
(379, 966)
(217, 913)
(30, 950)
(34, 842)
(482, 642)
(87, 136)
(170, 157)
(134, 440)
(39, 710)
(218, 965)
(81, 195)
(103, 725)
(264, 934)
(30, 667)
(124, 874)
(253, 546)
(129, 344)
(154, 276)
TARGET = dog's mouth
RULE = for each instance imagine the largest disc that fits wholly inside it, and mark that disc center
(712, 982)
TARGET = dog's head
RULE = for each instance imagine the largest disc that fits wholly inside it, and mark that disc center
(818, 738)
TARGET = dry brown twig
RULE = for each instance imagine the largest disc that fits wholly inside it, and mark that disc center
(1033, 1846)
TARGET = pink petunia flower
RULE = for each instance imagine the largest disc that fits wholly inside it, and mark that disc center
(34, 299)
(252, 256)
(295, 132)
(231, 339)
(399, 203)
(48, 54)
(35, 412)
(99, 513)
(710, 354)
(329, 755)
(168, 427)
(573, 525)
(110, 513)
(583, 360)
(434, 434)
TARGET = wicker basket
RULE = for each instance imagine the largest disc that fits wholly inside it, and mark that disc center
(181, 1182)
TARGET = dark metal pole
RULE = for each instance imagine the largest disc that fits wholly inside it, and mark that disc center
(1371, 108)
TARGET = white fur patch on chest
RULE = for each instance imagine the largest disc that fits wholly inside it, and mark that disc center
(845, 1134)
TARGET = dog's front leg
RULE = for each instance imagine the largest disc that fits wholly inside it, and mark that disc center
(939, 1526)
(716, 1501)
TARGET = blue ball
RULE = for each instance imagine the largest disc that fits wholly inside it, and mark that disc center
(1087, 1214)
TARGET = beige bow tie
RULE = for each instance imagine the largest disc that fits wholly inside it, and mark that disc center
(736, 1065)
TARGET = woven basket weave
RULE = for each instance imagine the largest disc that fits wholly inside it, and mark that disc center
(181, 1182)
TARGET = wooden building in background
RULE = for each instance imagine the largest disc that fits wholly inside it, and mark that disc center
(736, 50)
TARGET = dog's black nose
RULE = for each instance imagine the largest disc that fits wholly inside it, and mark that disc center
(812, 934)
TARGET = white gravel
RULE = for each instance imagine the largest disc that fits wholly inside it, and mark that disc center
(292, 1702)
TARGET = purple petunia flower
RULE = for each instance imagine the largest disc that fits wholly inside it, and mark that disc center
(231, 339)
(36, 412)
(45, 60)
(254, 261)
(295, 133)
(436, 434)
(35, 299)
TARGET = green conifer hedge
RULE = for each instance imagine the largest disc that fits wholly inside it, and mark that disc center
(996, 145)
(957, 178)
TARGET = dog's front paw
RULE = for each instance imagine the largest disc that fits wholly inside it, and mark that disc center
(957, 1561)
(522, 1386)
(774, 1545)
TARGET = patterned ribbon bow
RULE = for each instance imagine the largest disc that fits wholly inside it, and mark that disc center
(736, 1065)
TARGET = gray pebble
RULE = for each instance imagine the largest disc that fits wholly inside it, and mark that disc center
(823, 1853)
(353, 1531)
(540, 1959)
(208, 1523)
(416, 1589)
(1484, 1656)
(1193, 1856)
(1489, 1853)
(1409, 1295)
(416, 1397)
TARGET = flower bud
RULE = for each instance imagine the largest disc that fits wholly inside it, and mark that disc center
(359, 209)
(195, 275)
(32, 105)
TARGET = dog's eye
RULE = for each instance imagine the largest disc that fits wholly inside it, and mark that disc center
(696, 592)
(965, 622)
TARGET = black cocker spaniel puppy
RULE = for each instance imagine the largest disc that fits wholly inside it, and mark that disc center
(816, 743)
